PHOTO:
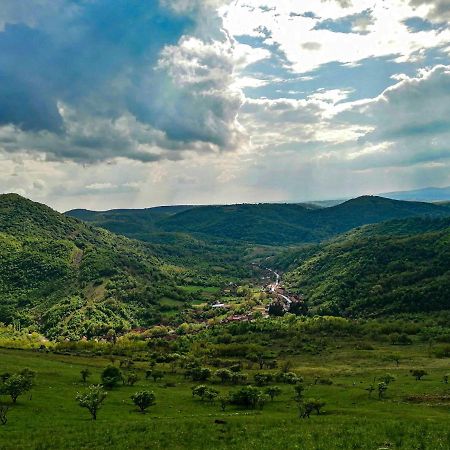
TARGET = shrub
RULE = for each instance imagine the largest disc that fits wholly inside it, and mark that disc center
(248, 397)
(418, 374)
(92, 399)
(111, 376)
(143, 400)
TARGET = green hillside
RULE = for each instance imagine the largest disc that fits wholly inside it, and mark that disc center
(393, 267)
(72, 279)
(265, 224)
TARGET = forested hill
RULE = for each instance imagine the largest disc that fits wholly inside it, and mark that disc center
(393, 267)
(269, 224)
(70, 278)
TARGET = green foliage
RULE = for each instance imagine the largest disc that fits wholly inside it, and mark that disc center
(273, 391)
(91, 399)
(369, 271)
(85, 374)
(418, 374)
(143, 400)
(249, 397)
(16, 385)
(73, 279)
(111, 376)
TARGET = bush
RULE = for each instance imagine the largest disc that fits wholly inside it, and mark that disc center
(248, 397)
(143, 400)
(111, 376)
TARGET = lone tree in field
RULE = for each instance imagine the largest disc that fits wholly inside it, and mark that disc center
(132, 378)
(273, 391)
(16, 385)
(382, 388)
(298, 389)
(199, 391)
(310, 405)
(111, 376)
(418, 374)
(143, 400)
(387, 378)
(224, 402)
(92, 399)
(85, 374)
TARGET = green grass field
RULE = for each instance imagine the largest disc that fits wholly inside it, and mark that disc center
(48, 417)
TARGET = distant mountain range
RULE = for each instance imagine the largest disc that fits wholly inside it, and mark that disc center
(265, 223)
(430, 194)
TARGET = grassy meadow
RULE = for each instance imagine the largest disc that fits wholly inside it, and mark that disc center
(413, 414)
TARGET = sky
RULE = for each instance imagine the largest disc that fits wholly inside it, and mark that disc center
(137, 103)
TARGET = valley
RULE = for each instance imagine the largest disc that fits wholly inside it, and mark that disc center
(335, 334)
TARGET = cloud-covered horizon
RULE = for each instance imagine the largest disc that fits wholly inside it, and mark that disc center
(128, 103)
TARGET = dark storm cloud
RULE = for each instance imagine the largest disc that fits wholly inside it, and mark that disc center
(76, 70)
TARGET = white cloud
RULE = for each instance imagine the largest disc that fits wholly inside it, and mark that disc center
(307, 48)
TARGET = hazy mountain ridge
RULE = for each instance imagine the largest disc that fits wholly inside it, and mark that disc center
(267, 224)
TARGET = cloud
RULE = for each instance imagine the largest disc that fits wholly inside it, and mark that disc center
(438, 10)
(409, 122)
(97, 80)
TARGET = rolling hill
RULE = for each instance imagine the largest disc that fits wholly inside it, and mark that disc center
(69, 278)
(392, 267)
(265, 224)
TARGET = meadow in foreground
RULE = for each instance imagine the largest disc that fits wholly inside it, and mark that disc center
(411, 415)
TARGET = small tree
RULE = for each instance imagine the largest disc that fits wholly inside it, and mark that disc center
(224, 401)
(16, 385)
(305, 409)
(310, 405)
(248, 397)
(132, 378)
(273, 391)
(298, 389)
(199, 391)
(418, 374)
(316, 404)
(382, 388)
(91, 399)
(224, 375)
(143, 400)
(395, 357)
(111, 376)
(85, 374)
(210, 395)
(387, 378)
(262, 379)
(239, 377)
(157, 375)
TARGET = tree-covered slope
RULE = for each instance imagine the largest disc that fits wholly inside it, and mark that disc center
(399, 266)
(266, 224)
(70, 278)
